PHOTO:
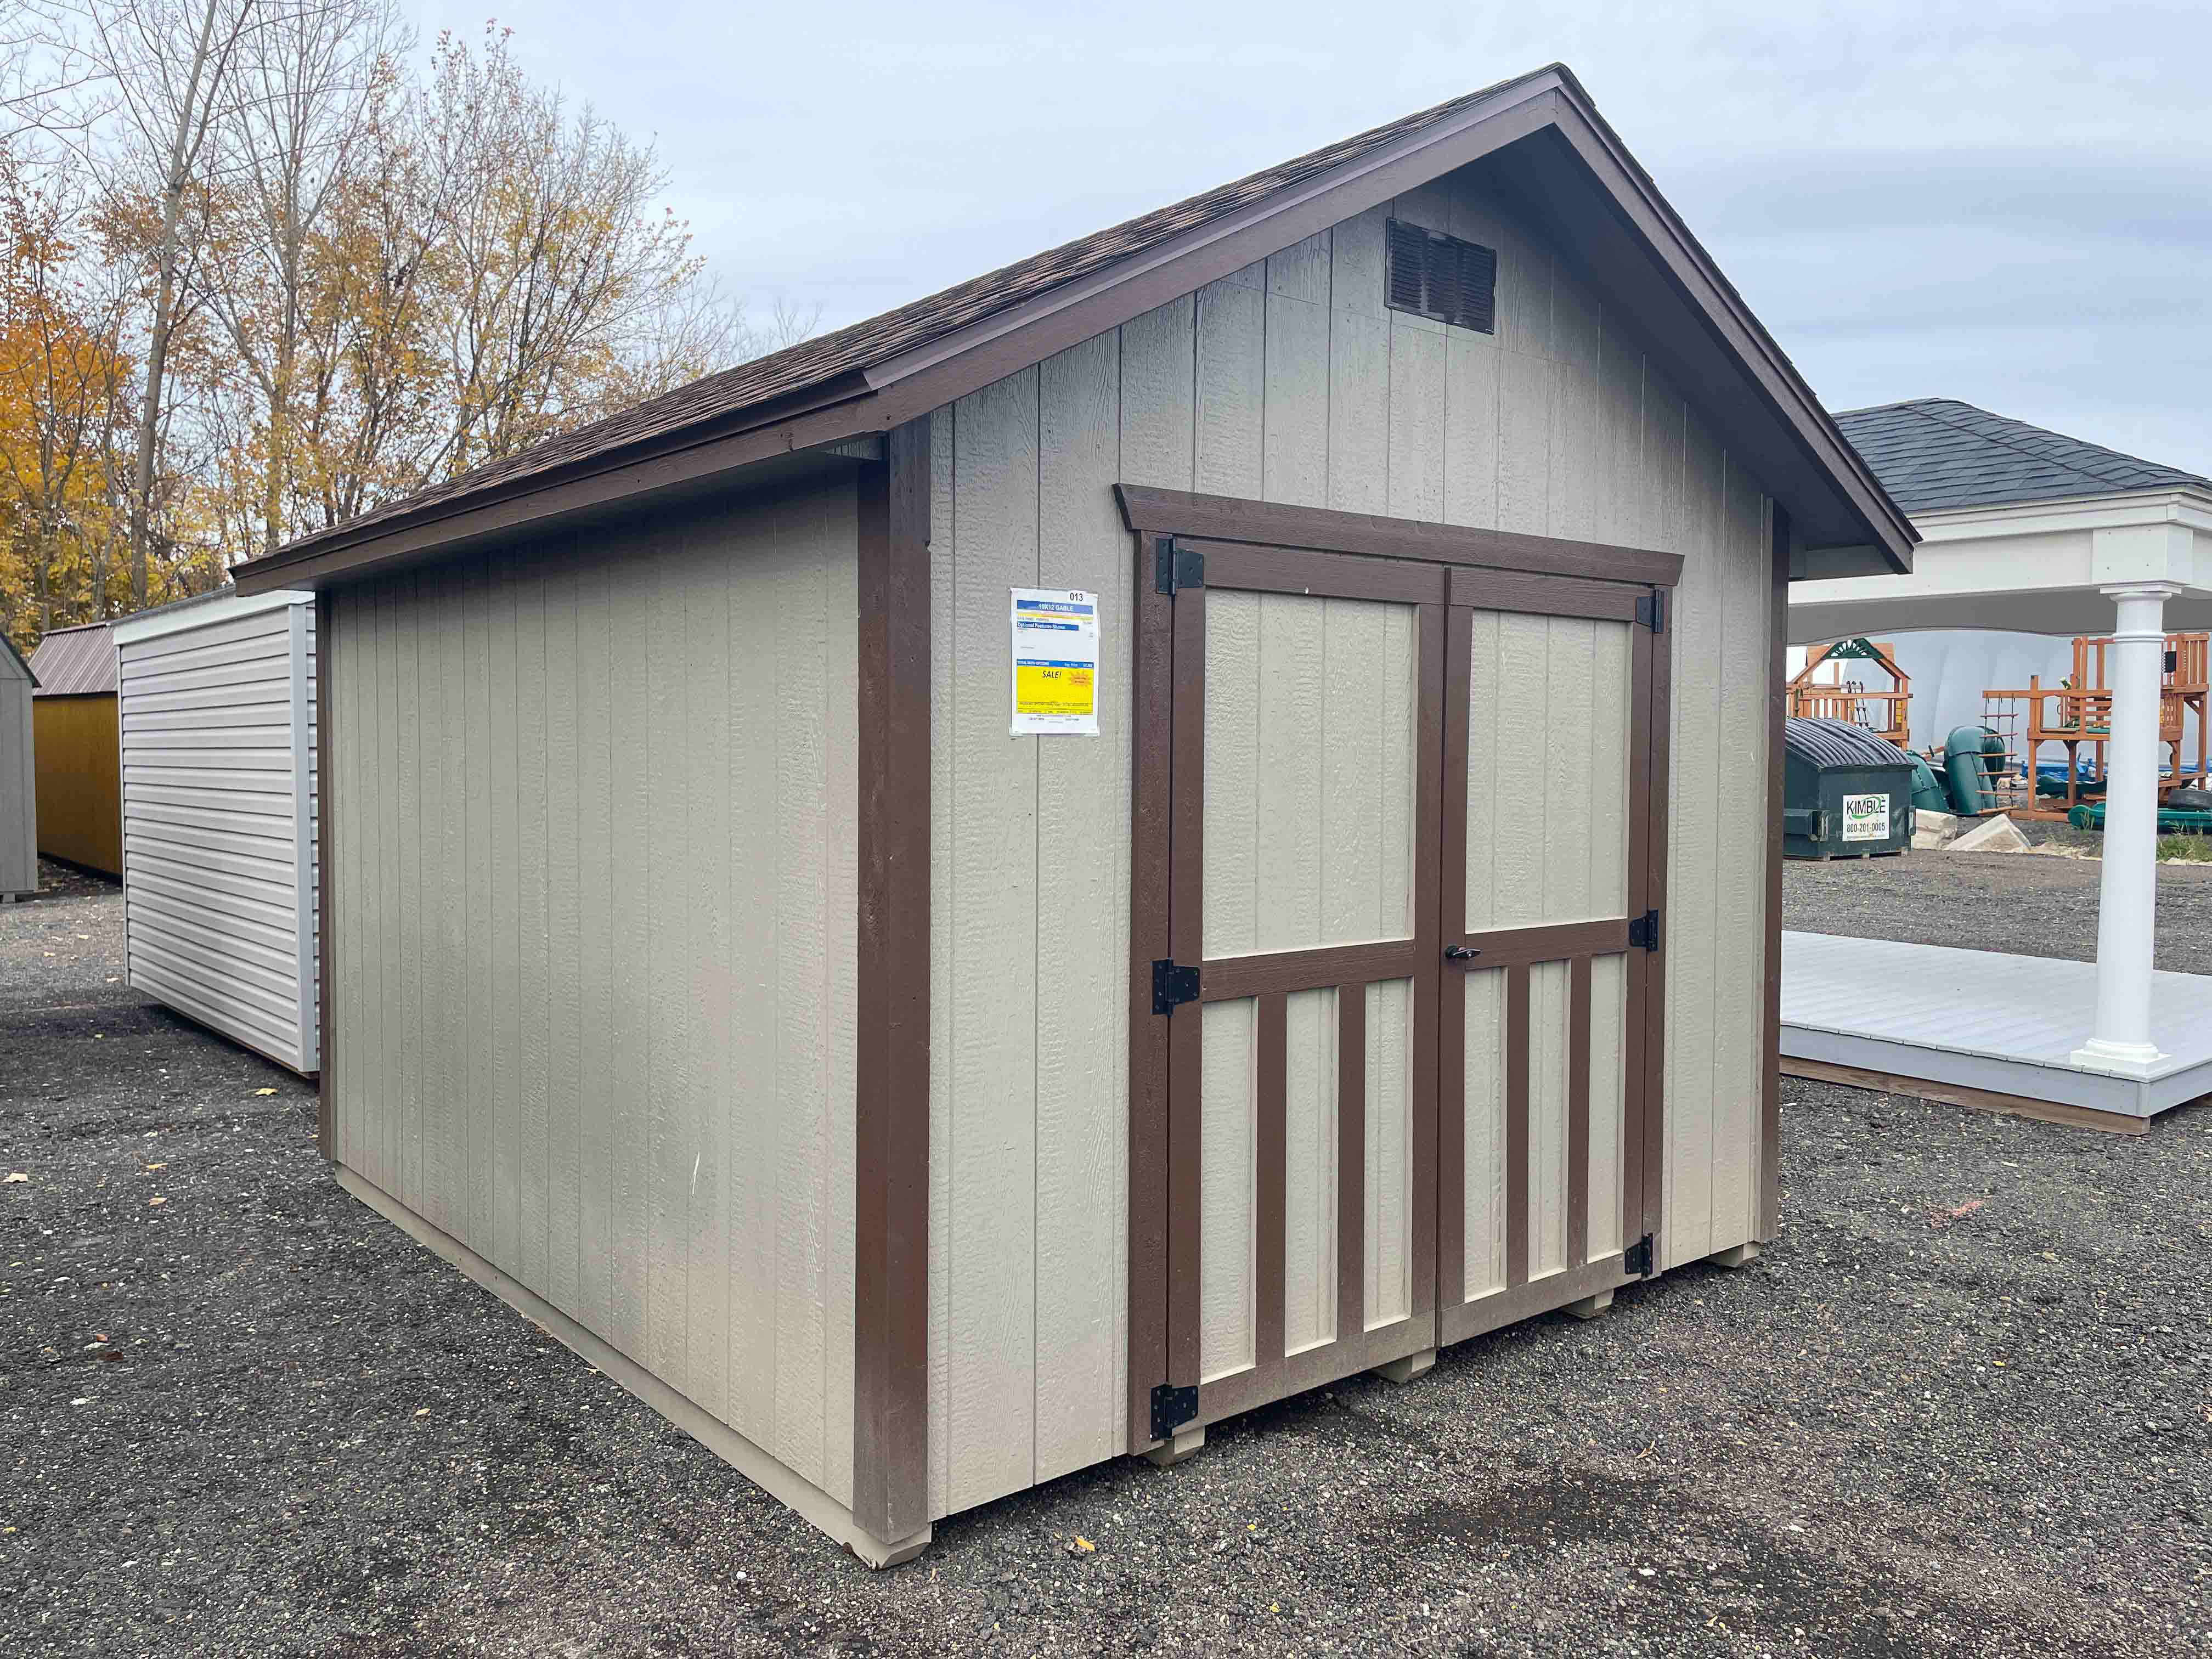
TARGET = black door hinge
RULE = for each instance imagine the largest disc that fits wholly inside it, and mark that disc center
(1643, 932)
(1175, 567)
(1652, 610)
(1636, 1259)
(1172, 987)
(1172, 1408)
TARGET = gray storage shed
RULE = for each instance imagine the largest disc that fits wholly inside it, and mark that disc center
(216, 701)
(916, 1107)
(19, 778)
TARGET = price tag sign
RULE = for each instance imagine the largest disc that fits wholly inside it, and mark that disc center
(1055, 662)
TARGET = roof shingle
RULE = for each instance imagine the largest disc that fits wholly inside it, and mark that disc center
(1936, 452)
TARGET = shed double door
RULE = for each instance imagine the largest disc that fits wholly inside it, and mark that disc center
(1401, 815)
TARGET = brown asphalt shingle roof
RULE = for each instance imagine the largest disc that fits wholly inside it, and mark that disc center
(75, 662)
(857, 348)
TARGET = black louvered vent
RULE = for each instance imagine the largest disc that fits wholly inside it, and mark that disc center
(1433, 275)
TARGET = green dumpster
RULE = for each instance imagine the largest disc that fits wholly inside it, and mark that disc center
(1846, 792)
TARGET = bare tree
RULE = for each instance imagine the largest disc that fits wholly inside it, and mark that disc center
(698, 330)
(555, 263)
(298, 98)
(169, 64)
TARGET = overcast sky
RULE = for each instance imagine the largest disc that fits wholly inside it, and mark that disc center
(2003, 201)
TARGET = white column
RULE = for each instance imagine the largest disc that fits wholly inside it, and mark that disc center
(2127, 899)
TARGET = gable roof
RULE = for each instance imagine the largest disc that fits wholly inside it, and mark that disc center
(860, 381)
(1936, 452)
(12, 655)
(75, 662)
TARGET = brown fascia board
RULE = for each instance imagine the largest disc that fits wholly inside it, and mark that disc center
(817, 418)
(903, 387)
(1641, 215)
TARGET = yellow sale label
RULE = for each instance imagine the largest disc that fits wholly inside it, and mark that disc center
(1053, 689)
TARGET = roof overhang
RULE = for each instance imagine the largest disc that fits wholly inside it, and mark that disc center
(2031, 568)
(1539, 137)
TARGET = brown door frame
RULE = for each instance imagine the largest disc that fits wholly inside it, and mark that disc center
(1444, 570)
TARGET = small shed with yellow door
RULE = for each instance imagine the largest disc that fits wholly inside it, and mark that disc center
(78, 738)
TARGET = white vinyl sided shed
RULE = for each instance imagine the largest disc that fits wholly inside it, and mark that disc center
(19, 778)
(916, 1110)
(217, 701)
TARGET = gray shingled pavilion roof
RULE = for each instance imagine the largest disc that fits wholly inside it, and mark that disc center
(1935, 453)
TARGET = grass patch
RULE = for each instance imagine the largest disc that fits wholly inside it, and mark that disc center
(2185, 849)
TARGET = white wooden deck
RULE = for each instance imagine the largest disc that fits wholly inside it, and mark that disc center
(1983, 1021)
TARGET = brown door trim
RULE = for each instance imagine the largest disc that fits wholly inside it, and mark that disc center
(1151, 698)
(1228, 518)
(891, 1315)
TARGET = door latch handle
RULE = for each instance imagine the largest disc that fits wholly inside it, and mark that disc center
(1461, 953)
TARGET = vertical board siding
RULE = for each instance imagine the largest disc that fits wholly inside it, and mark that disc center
(1290, 381)
(1228, 1162)
(1083, 934)
(218, 803)
(1309, 789)
(1548, 1119)
(1607, 1098)
(19, 783)
(594, 819)
(1390, 1038)
(1309, 1166)
(1548, 709)
(1483, 1175)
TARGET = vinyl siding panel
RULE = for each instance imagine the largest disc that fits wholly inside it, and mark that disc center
(1290, 382)
(594, 820)
(215, 706)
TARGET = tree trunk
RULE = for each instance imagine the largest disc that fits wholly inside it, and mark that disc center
(150, 414)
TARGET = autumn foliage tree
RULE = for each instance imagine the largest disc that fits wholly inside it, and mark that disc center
(266, 266)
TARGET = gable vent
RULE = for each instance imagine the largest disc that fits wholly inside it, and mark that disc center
(1433, 275)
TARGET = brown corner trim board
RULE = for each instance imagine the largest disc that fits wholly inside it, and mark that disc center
(891, 1315)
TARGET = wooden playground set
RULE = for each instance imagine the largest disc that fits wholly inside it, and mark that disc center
(2074, 714)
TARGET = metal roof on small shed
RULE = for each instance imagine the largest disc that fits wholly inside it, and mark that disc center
(75, 662)
(1936, 452)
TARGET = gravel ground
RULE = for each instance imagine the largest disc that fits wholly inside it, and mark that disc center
(1965, 1406)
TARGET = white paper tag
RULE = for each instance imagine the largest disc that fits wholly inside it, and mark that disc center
(1055, 662)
